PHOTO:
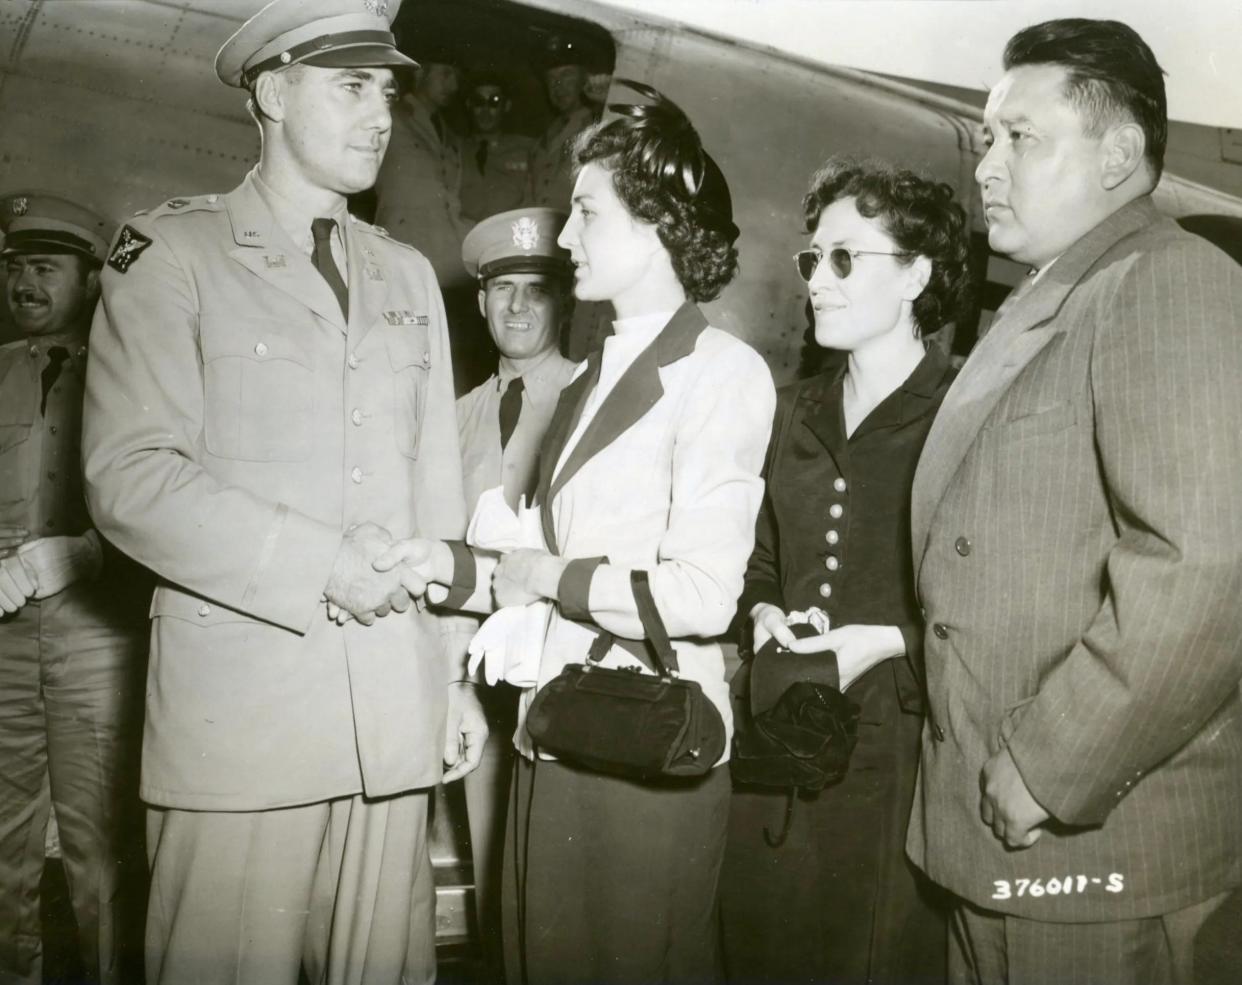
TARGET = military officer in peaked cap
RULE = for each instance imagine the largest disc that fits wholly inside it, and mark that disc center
(72, 644)
(269, 403)
(563, 62)
(526, 296)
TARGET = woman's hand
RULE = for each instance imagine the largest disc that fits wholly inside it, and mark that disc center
(769, 622)
(526, 575)
(858, 648)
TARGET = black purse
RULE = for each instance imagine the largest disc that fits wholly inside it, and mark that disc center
(624, 722)
(792, 726)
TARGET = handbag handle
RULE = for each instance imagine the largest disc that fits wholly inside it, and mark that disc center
(659, 648)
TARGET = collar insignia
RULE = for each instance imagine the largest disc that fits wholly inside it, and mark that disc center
(275, 261)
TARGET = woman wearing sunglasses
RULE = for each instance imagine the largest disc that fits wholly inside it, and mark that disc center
(837, 901)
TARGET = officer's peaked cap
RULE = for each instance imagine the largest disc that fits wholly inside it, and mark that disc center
(39, 222)
(326, 33)
(518, 241)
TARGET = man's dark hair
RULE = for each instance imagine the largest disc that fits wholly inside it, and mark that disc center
(1113, 75)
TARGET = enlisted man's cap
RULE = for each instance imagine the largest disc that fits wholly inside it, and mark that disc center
(38, 222)
(325, 33)
(518, 241)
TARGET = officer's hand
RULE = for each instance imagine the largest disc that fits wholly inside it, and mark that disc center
(55, 563)
(355, 587)
(418, 562)
(16, 585)
(465, 733)
(12, 537)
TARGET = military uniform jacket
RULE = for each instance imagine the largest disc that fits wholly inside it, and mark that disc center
(502, 182)
(235, 425)
(551, 166)
(418, 192)
(1078, 553)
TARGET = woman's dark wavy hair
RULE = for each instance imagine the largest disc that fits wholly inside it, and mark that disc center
(664, 177)
(922, 217)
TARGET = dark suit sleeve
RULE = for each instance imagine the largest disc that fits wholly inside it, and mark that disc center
(1165, 648)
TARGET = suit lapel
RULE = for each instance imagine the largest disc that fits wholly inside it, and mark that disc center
(636, 392)
(265, 250)
(1024, 326)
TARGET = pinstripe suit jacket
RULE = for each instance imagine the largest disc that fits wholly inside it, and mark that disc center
(1078, 552)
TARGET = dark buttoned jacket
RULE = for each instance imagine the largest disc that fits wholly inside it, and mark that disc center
(834, 527)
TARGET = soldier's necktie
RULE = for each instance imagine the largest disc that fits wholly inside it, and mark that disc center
(321, 230)
(510, 409)
(480, 155)
(56, 357)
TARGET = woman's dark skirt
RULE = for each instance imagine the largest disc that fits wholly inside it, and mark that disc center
(838, 902)
(612, 881)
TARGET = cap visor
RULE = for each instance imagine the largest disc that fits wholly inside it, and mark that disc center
(527, 265)
(361, 56)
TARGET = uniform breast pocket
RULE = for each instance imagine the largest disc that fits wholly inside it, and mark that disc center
(259, 393)
(409, 352)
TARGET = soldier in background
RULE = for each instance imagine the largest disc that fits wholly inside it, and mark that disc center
(526, 294)
(73, 629)
(564, 66)
(496, 166)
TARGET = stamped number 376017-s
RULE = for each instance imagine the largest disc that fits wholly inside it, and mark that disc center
(1114, 882)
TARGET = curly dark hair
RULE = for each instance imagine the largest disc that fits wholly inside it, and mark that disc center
(922, 217)
(664, 177)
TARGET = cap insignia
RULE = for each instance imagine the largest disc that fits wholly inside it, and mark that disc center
(378, 7)
(19, 205)
(525, 233)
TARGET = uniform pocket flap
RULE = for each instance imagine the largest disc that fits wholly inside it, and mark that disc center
(253, 340)
(173, 604)
(408, 345)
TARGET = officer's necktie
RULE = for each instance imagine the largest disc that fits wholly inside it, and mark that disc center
(510, 408)
(321, 230)
(480, 155)
(56, 357)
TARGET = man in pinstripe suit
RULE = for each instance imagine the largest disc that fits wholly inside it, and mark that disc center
(1078, 549)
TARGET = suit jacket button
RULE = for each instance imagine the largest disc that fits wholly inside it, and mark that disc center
(832, 536)
(962, 546)
(825, 590)
(941, 631)
(835, 511)
(838, 484)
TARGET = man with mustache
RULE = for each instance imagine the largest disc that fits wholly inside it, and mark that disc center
(72, 639)
(1078, 549)
(269, 404)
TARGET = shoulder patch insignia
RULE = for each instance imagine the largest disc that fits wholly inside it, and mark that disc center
(129, 246)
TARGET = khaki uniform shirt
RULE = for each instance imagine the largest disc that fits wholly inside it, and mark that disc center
(484, 465)
(551, 169)
(500, 185)
(235, 425)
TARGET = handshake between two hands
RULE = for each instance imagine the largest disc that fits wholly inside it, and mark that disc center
(375, 575)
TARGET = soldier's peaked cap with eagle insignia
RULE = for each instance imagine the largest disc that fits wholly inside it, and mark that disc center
(521, 240)
(39, 222)
(325, 33)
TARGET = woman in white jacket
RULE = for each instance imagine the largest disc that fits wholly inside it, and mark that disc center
(652, 462)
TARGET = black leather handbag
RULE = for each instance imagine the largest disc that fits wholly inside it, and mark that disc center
(624, 722)
(792, 726)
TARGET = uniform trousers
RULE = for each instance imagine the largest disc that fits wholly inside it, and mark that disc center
(487, 795)
(343, 888)
(989, 948)
(70, 718)
(610, 881)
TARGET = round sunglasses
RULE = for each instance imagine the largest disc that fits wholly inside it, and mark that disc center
(840, 260)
